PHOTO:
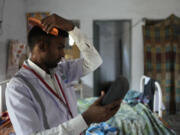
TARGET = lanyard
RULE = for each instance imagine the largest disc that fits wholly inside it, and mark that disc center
(50, 89)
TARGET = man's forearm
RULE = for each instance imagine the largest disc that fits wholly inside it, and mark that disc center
(92, 59)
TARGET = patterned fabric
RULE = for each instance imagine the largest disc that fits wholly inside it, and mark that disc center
(162, 58)
(6, 127)
(17, 53)
(133, 97)
(101, 129)
(132, 120)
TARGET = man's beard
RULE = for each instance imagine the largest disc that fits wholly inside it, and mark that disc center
(51, 65)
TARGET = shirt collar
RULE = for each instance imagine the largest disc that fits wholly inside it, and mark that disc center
(39, 70)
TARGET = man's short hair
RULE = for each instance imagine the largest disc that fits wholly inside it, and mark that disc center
(36, 33)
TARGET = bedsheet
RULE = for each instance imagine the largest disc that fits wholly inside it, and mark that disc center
(132, 120)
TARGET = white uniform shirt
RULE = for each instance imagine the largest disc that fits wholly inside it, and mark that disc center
(15, 101)
(48, 78)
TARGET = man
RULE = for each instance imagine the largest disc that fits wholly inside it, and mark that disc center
(39, 98)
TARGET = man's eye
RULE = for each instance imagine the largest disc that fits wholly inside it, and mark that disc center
(61, 46)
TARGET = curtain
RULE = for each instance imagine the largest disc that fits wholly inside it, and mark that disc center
(162, 58)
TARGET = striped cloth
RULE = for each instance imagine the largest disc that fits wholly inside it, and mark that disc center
(162, 58)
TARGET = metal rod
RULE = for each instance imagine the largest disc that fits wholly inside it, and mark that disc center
(3, 82)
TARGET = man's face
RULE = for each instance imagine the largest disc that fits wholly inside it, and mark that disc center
(55, 51)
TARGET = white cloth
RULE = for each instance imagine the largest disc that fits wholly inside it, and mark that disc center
(156, 106)
(25, 111)
(92, 59)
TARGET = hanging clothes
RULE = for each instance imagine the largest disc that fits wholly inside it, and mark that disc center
(149, 90)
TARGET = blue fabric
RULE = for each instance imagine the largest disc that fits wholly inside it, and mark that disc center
(101, 129)
(133, 97)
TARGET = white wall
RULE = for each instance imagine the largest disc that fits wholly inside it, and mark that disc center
(88, 10)
(14, 27)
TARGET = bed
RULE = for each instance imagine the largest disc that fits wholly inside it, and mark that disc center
(134, 116)
(134, 119)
